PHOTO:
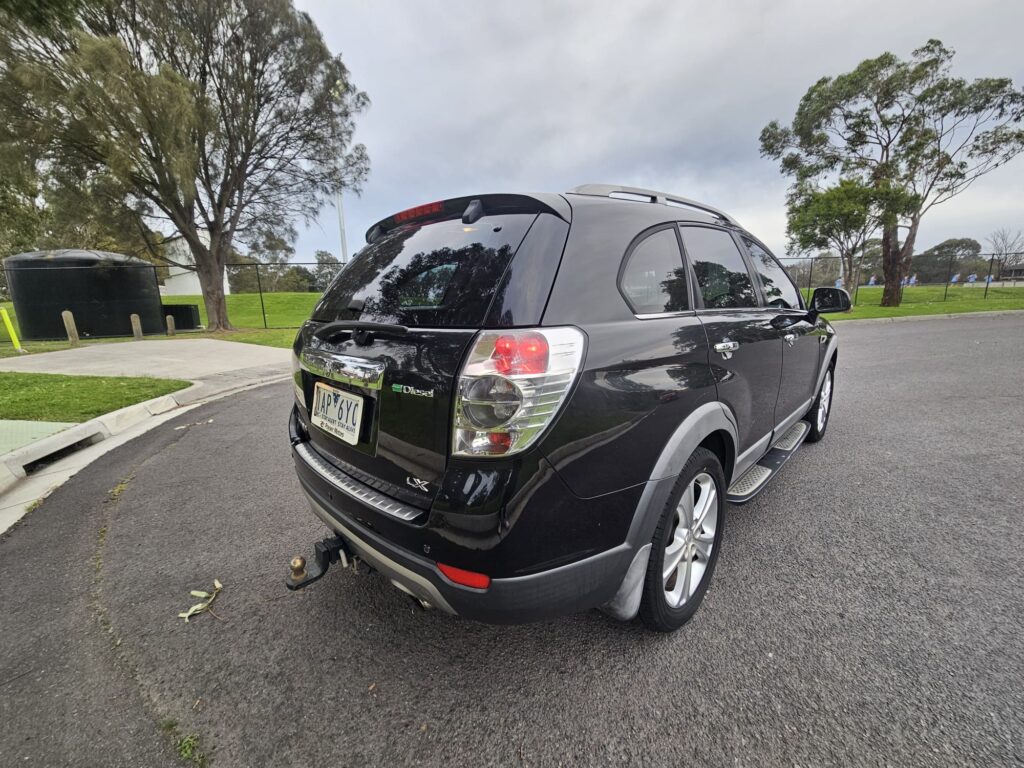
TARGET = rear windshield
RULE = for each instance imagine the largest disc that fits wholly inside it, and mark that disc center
(439, 274)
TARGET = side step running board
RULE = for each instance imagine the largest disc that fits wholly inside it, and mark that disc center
(756, 478)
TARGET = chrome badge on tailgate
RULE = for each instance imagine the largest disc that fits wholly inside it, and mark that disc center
(343, 368)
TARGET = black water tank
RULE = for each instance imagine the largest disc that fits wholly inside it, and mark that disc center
(186, 316)
(101, 289)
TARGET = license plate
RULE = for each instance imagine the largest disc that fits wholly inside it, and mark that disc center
(337, 413)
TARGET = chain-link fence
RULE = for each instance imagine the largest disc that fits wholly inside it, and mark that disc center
(282, 296)
(275, 295)
(928, 278)
(102, 297)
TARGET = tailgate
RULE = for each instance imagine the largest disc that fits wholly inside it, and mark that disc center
(405, 388)
(378, 390)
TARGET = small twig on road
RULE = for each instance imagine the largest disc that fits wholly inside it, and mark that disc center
(203, 607)
(16, 677)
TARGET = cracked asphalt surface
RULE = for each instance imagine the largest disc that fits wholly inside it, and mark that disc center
(867, 608)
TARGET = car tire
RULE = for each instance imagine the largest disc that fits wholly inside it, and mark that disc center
(817, 416)
(672, 594)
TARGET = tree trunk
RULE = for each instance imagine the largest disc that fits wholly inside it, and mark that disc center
(210, 268)
(850, 276)
(892, 265)
(907, 251)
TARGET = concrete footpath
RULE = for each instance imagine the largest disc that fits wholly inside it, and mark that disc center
(32, 470)
(191, 359)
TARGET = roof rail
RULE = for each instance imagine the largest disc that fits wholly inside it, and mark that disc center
(665, 198)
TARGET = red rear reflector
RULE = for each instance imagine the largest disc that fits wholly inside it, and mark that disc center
(465, 578)
(419, 211)
(501, 441)
(522, 353)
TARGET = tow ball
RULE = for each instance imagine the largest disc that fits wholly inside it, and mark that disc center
(325, 553)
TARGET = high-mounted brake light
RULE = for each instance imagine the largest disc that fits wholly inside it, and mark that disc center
(419, 212)
(511, 387)
(465, 578)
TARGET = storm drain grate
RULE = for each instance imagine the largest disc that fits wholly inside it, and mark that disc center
(792, 438)
(752, 479)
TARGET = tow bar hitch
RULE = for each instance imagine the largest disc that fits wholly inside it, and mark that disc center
(325, 554)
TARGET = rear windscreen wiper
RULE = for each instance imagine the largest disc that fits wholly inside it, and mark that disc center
(325, 332)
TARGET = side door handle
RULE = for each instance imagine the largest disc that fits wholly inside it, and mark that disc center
(790, 338)
(726, 348)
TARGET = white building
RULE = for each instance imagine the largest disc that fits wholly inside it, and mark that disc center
(180, 281)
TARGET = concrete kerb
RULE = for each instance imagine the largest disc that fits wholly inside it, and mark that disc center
(13, 463)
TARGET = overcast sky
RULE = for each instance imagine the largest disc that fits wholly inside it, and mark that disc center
(474, 97)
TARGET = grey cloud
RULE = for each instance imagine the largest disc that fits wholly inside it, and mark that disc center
(473, 97)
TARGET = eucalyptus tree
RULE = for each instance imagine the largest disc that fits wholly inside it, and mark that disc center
(910, 130)
(841, 218)
(225, 119)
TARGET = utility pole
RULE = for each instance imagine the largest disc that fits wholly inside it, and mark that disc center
(341, 229)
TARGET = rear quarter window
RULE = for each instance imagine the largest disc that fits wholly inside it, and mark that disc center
(653, 279)
(440, 274)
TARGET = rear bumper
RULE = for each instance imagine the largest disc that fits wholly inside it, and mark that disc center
(577, 586)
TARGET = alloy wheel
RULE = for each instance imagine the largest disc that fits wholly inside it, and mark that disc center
(693, 536)
(824, 400)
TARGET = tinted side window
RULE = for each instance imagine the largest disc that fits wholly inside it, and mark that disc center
(721, 272)
(779, 290)
(654, 280)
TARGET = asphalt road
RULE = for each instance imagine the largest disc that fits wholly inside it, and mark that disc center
(868, 607)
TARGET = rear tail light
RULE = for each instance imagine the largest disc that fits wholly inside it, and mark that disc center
(521, 353)
(511, 387)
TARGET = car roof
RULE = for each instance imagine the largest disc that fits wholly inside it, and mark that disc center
(644, 213)
(629, 194)
(648, 205)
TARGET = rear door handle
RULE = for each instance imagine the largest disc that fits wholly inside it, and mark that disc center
(726, 348)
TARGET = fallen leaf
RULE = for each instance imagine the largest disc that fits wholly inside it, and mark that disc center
(201, 607)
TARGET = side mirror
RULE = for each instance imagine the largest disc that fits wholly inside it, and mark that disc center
(830, 300)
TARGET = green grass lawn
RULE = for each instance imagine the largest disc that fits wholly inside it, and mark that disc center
(52, 397)
(289, 308)
(929, 300)
(286, 311)
(274, 337)
(283, 310)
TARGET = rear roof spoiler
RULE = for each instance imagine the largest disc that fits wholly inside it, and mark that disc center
(653, 196)
(491, 204)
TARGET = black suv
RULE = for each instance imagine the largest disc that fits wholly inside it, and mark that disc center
(518, 406)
